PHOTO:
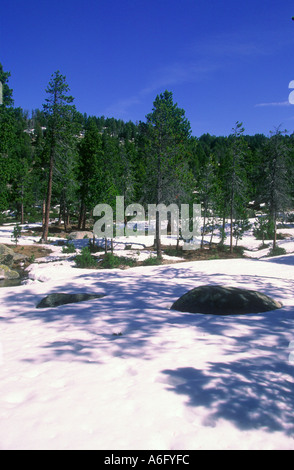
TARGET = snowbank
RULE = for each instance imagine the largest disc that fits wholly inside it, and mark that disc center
(126, 372)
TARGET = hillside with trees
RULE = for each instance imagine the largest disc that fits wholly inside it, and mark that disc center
(58, 162)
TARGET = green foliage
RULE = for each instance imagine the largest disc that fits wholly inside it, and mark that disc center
(173, 251)
(207, 194)
(60, 143)
(277, 251)
(240, 226)
(6, 91)
(93, 247)
(85, 259)
(263, 229)
(168, 178)
(223, 234)
(16, 234)
(111, 261)
(278, 179)
(234, 180)
(96, 159)
(69, 248)
(32, 258)
(152, 261)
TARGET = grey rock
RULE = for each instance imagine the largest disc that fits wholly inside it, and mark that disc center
(223, 300)
(54, 300)
(6, 255)
(7, 273)
(80, 235)
(20, 257)
(4, 249)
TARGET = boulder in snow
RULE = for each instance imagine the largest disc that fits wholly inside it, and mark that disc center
(222, 300)
(54, 300)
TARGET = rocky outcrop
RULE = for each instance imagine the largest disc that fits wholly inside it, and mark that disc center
(221, 300)
(7, 273)
(6, 255)
(80, 235)
(54, 300)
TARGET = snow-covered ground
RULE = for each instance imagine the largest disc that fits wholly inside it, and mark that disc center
(126, 372)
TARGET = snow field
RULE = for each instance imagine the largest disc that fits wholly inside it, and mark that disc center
(126, 372)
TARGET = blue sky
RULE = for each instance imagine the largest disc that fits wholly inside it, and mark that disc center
(224, 61)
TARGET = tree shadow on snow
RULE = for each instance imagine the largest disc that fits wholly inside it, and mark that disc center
(251, 393)
(287, 259)
(135, 308)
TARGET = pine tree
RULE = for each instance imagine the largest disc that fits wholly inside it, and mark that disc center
(277, 187)
(235, 177)
(89, 170)
(207, 188)
(21, 184)
(59, 114)
(7, 92)
(7, 139)
(168, 178)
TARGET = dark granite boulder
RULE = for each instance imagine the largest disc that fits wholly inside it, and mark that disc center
(222, 300)
(54, 300)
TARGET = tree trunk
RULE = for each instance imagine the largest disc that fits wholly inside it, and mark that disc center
(64, 218)
(22, 207)
(211, 237)
(203, 229)
(223, 231)
(275, 232)
(21, 213)
(231, 226)
(60, 212)
(231, 235)
(48, 200)
(43, 211)
(157, 241)
(82, 217)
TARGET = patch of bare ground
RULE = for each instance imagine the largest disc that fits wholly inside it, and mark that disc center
(214, 252)
(31, 252)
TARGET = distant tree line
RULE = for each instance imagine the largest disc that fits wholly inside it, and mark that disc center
(59, 157)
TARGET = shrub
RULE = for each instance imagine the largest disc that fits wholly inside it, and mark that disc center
(263, 246)
(85, 259)
(263, 229)
(111, 261)
(152, 261)
(16, 234)
(290, 217)
(32, 258)
(171, 251)
(93, 247)
(68, 248)
(277, 251)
